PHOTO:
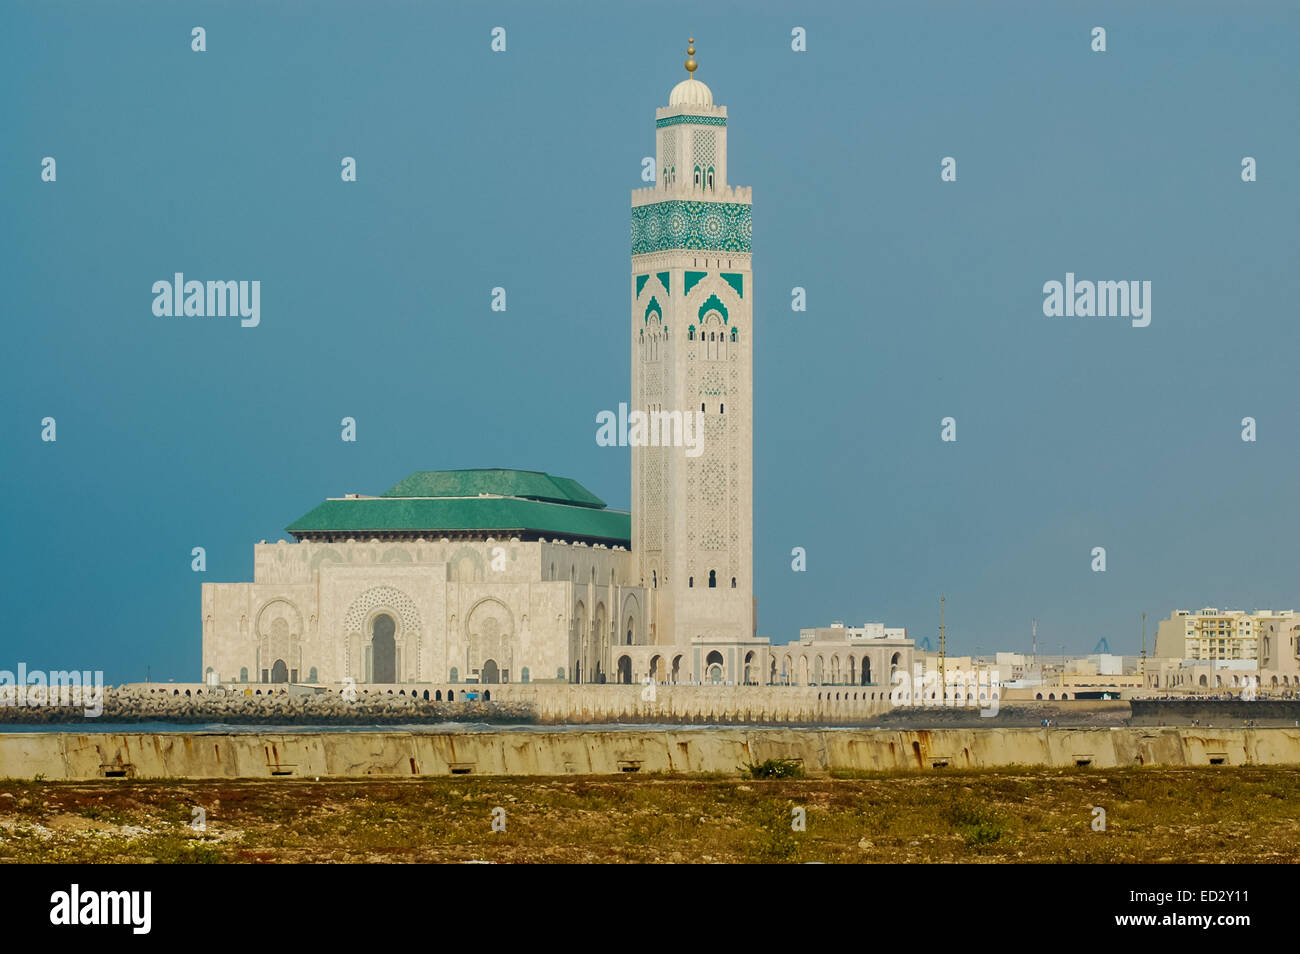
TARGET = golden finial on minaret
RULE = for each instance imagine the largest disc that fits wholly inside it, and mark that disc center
(691, 65)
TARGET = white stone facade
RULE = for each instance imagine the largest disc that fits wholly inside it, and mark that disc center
(692, 351)
(549, 613)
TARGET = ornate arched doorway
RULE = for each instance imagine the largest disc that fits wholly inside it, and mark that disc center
(713, 667)
(491, 673)
(383, 649)
(279, 671)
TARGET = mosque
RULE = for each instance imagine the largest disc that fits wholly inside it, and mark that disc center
(500, 576)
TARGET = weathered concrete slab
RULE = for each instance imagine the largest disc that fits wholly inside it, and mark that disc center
(78, 756)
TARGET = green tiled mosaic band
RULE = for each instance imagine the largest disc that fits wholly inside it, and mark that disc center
(697, 120)
(680, 224)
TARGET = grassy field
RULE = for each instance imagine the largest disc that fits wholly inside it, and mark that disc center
(1030, 815)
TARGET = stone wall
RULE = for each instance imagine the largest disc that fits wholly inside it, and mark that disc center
(81, 756)
(823, 705)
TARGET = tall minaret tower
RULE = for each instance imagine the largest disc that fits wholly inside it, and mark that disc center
(692, 352)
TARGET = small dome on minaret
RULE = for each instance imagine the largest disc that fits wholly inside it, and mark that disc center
(690, 92)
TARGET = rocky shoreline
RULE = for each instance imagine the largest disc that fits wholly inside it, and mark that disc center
(133, 705)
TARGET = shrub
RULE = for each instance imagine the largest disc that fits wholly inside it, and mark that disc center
(978, 825)
(775, 768)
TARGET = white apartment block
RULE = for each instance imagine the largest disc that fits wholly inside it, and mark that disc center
(1213, 634)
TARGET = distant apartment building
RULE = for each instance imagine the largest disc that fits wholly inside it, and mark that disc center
(1210, 634)
(1015, 666)
(837, 631)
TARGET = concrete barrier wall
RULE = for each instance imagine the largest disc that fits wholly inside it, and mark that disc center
(74, 756)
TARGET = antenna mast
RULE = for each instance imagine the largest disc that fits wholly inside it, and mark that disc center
(1144, 649)
(943, 651)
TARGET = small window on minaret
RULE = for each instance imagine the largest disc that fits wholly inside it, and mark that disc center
(733, 335)
(691, 582)
(713, 579)
(701, 408)
(722, 409)
(733, 582)
(654, 579)
(710, 177)
(697, 177)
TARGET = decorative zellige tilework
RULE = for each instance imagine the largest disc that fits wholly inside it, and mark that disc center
(682, 224)
(696, 120)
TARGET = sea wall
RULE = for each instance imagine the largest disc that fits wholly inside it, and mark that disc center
(78, 756)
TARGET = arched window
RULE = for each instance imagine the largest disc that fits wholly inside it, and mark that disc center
(697, 177)
(691, 582)
(710, 177)
(733, 334)
(733, 582)
(455, 677)
(713, 579)
(701, 407)
(654, 579)
(722, 409)
(690, 333)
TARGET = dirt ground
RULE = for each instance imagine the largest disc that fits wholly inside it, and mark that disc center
(1240, 814)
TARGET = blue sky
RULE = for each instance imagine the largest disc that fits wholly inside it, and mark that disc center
(479, 169)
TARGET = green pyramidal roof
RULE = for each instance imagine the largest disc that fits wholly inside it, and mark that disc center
(529, 484)
(523, 502)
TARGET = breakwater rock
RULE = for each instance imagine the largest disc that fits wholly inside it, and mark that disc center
(1216, 712)
(264, 707)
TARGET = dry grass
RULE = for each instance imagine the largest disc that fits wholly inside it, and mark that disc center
(1025, 815)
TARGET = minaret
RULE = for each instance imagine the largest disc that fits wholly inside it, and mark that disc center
(692, 352)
